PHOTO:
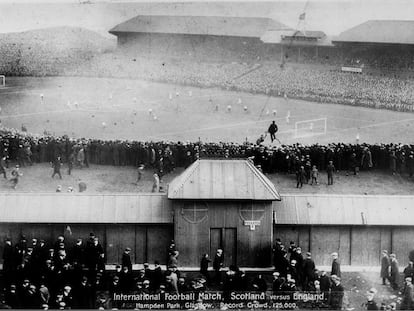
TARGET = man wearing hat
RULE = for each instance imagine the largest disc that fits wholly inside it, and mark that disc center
(337, 293)
(218, 263)
(277, 283)
(385, 266)
(407, 302)
(371, 304)
(77, 256)
(126, 259)
(325, 284)
(83, 295)
(308, 270)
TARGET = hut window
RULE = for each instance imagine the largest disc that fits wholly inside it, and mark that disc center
(195, 212)
(253, 211)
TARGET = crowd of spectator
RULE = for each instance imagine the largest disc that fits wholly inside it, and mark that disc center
(313, 83)
(63, 276)
(228, 67)
(25, 149)
(37, 275)
(46, 52)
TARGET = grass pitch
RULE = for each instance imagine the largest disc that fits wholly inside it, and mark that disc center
(115, 109)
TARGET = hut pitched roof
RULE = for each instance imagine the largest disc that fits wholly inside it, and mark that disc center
(223, 180)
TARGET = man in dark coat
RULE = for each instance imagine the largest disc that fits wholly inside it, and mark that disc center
(371, 304)
(409, 270)
(330, 169)
(77, 258)
(157, 276)
(8, 261)
(300, 177)
(336, 265)
(218, 263)
(77, 254)
(278, 252)
(385, 266)
(205, 260)
(272, 131)
(354, 164)
(94, 256)
(57, 164)
(126, 259)
(83, 295)
(407, 302)
(308, 271)
(394, 273)
(337, 293)
(325, 285)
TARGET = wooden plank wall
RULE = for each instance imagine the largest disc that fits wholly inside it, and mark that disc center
(356, 245)
(148, 242)
(193, 239)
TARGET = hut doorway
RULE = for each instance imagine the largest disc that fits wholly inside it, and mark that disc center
(226, 239)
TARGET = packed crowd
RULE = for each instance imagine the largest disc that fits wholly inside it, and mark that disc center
(43, 52)
(26, 149)
(388, 59)
(37, 275)
(221, 66)
(303, 82)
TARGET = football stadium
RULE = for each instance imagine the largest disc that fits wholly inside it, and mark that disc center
(179, 158)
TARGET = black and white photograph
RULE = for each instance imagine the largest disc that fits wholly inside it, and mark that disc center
(207, 155)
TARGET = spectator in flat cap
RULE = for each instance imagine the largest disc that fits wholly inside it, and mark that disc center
(308, 271)
(337, 293)
(371, 304)
(407, 302)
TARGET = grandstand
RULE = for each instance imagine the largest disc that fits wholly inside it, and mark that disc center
(378, 44)
(373, 45)
(214, 36)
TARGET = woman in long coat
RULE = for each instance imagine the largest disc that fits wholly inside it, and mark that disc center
(385, 266)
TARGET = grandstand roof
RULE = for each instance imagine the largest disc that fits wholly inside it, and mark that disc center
(222, 179)
(79, 208)
(380, 210)
(199, 25)
(380, 31)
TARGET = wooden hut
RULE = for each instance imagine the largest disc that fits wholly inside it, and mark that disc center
(223, 204)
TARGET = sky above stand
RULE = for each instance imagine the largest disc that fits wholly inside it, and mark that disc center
(330, 16)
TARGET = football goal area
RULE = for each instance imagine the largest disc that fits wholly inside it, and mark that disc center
(308, 128)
